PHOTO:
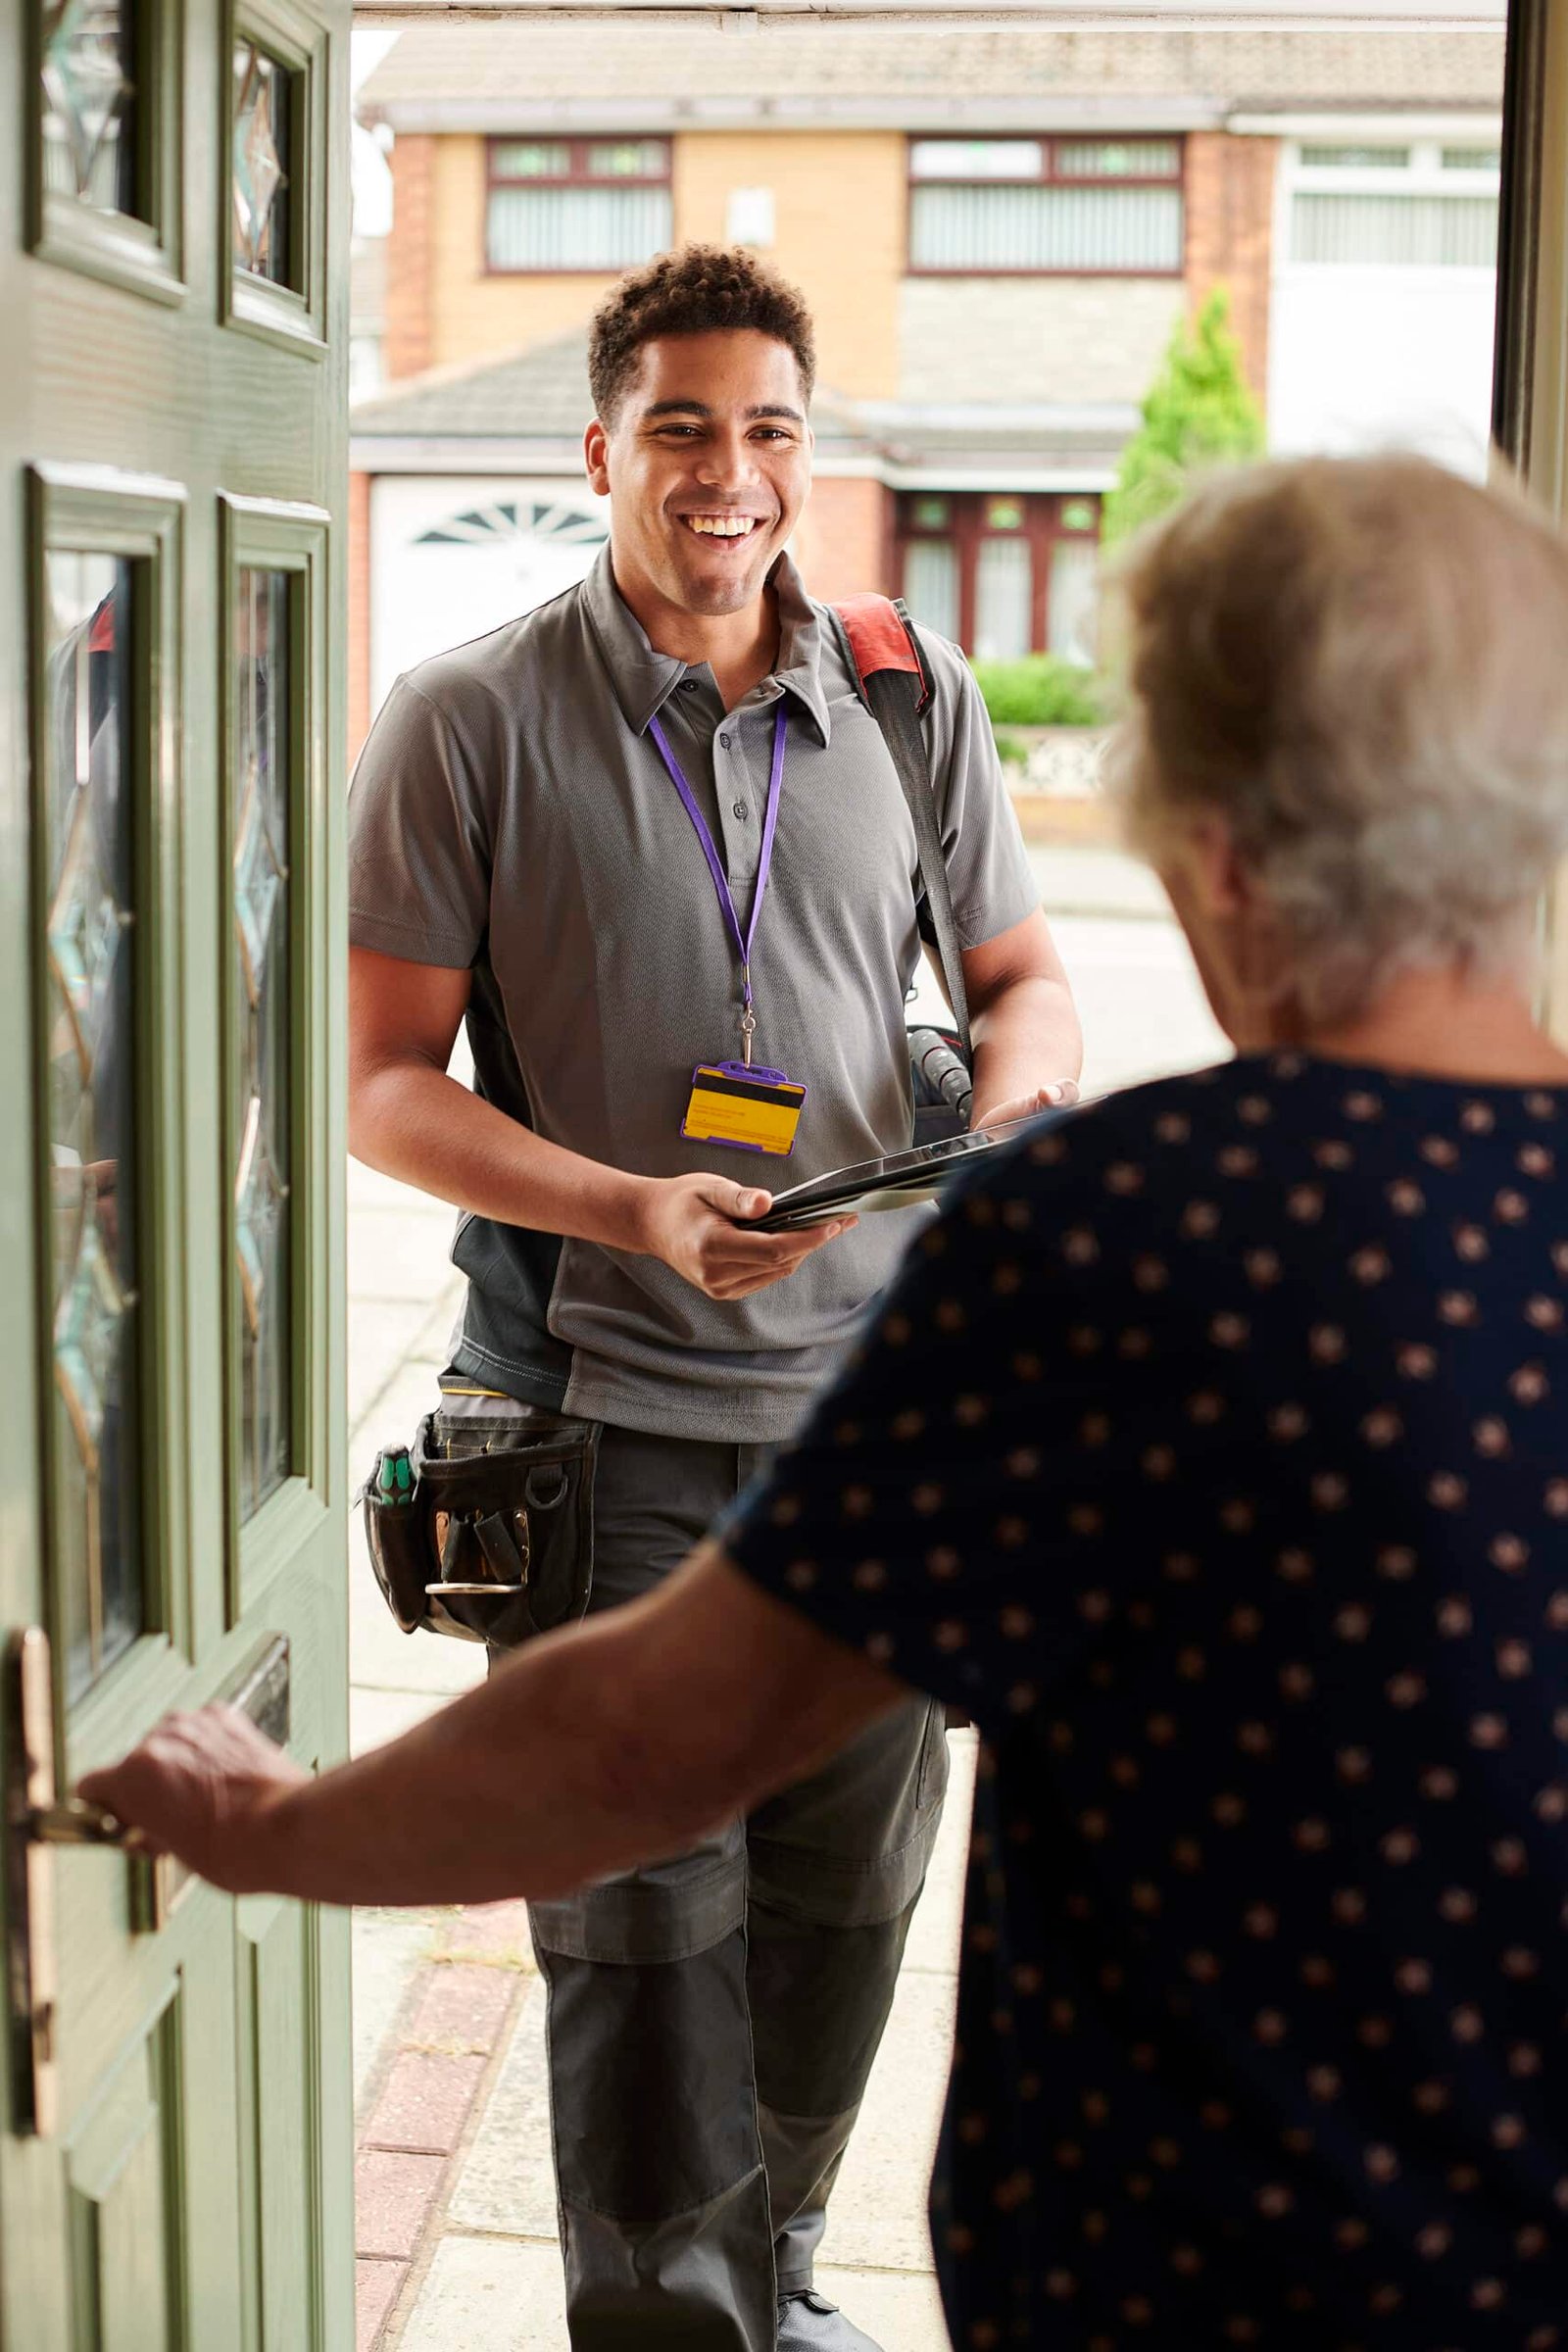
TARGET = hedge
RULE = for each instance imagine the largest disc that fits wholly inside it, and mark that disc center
(1040, 691)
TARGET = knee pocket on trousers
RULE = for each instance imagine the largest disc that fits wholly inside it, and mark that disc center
(639, 1923)
(651, 2103)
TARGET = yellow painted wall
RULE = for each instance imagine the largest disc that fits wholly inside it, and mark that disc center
(839, 218)
(839, 209)
(474, 316)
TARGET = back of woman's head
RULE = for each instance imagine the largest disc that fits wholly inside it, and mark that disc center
(1362, 665)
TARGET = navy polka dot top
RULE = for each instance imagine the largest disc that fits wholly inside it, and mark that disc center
(1213, 1453)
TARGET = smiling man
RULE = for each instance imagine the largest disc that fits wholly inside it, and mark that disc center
(646, 827)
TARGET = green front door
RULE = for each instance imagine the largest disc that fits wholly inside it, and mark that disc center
(175, 2136)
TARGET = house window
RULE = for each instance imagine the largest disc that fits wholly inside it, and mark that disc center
(1416, 205)
(577, 204)
(1003, 573)
(1105, 206)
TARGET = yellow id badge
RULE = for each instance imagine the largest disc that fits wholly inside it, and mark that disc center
(751, 1111)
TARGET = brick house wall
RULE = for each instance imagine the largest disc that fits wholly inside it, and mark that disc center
(844, 540)
(409, 327)
(1230, 236)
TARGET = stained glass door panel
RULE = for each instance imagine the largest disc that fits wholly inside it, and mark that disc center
(92, 886)
(260, 821)
(263, 132)
(87, 63)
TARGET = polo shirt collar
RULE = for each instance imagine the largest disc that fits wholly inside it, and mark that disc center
(643, 679)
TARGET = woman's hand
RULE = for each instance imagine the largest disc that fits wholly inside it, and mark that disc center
(205, 1787)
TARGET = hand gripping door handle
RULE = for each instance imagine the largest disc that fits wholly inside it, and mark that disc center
(38, 1820)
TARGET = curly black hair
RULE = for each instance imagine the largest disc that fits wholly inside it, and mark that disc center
(691, 292)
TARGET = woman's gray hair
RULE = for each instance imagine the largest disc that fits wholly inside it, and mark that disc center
(1362, 665)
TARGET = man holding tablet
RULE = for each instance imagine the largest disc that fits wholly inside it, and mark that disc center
(651, 846)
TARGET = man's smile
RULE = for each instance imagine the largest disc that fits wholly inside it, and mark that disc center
(724, 526)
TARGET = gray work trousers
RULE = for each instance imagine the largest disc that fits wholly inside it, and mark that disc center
(712, 2019)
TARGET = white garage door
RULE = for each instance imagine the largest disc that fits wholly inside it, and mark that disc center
(452, 555)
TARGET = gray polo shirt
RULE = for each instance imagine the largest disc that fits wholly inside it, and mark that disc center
(511, 815)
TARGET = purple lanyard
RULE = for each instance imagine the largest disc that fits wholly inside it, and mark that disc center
(744, 940)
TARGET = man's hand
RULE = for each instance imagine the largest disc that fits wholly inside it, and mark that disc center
(697, 1224)
(1055, 1096)
(205, 1787)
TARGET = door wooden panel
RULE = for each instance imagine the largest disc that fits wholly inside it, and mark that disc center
(278, 1962)
(172, 416)
(127, 2177)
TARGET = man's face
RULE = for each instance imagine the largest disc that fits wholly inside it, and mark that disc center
(707, 464)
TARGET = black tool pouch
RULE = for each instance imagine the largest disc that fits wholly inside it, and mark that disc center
(493, 1545)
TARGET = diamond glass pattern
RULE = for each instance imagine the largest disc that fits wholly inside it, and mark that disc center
(262, 105)
(90, 936)
(260, 818)
(88, 100)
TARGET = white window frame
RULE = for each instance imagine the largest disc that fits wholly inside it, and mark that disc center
(1424, 174)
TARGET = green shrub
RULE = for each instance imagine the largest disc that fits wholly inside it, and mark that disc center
(1199, 413)
(1040, 691)
(1011, 749)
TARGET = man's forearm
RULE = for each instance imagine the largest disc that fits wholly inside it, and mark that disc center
(1027, 1037)
(413, 1122)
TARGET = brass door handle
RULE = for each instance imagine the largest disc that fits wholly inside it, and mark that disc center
(73, 1822)
(40, 1820)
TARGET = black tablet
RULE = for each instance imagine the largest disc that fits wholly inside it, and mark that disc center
(899, 1181)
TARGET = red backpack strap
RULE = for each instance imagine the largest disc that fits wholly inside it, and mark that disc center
(894, 685)
(881, 637)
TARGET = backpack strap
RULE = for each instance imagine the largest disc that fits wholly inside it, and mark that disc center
(889, 668)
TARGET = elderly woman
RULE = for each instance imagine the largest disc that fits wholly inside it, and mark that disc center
(1213, 1454)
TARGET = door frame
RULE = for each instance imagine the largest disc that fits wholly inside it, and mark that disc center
(1530, 414)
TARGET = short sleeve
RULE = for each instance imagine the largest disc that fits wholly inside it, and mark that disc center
(419, 837)
(989, 872)
(953, 1507)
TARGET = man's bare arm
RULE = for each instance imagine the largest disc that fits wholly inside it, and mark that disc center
(1028, 1046)
(618, 1741)
(411, 1120)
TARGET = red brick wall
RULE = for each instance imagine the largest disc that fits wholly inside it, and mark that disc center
(409, 256)
(358, 611)
(844, 542)
(1230, 234)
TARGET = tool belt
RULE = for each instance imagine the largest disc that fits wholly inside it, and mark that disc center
(491, 1541)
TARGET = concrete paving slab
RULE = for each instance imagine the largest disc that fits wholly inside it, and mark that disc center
(412, 1391)
(903, 2313)
(1140, 1000)
(381, 1657)
(377, 1716)
(486, 2294)
(877, 2217)
(403, 1251)
(507, 2183)
(939, 1922)
(368, 1188)
(1087, 879)
(383, 1335)
(390, 1947)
